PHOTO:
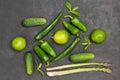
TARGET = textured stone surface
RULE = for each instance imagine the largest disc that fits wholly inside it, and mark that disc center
(94, 13)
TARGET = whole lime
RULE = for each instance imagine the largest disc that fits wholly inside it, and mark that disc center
(98, 35)
(18, 43)
(61, 36)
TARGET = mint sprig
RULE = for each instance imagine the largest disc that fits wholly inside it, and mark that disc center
(86, 42)
(72, 10)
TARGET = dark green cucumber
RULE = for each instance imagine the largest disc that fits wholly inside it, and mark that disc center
(29, 22)
(29, 63)
(81, 57)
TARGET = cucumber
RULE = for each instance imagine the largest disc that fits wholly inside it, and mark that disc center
(81, 57)
(29, 22)
(29, 63)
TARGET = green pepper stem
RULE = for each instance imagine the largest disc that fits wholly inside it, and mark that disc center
(68, 16)
(78, 65)
(77, 70)
(47, 64)
(41, 41)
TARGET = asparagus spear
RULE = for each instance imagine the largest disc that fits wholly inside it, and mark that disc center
(78, 65)
(77, 70)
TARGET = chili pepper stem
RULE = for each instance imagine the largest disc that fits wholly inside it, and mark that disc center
(47, 64)
(68, 16)
(78, 65)
(41, 41)
(78, 70)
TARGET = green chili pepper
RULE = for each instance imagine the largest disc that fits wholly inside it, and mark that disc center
(29, 62)
(72, 29)
(47, 47)
(29, 22)
(41, 54)
(47, 29)
(78, 23)
(67, 50)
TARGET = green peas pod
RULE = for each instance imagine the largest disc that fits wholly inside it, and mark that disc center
(47, 47)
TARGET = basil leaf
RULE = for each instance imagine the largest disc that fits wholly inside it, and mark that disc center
(75, 13)
(75, 8)
(68, 6)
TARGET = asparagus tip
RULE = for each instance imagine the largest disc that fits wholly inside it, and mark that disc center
(107, 70)
(109, 64)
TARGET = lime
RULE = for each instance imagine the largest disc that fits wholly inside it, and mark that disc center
(18, 43)
(61, 36)
(98, 35)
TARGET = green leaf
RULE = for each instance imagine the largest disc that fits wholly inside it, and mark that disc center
(87, 39)
(75, 13)
(68, 6)
(75, 8)
(84, 44)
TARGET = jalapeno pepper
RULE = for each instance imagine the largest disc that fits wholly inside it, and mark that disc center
(48, 28)
(78, 23)
(47, 47)
(41, 54)
(67, 50)
(71, 28)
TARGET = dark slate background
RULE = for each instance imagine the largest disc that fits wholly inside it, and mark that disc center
(94, 13)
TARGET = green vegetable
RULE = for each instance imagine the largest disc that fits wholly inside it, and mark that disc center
(72, 10)
(81, 57)
(67, 50)
(29, 63)
(77, 70)
(47, 47)
(47, 29)
(98, 35)
(18, 43)
(87, 42)
(72, 29)
(41, 54)
(78, 65)
(78, 23)
(61, 36)
(29, 22)
(38, 68)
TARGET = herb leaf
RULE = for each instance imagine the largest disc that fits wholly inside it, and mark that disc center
(75, 13)
(68, 6)
(87, 42)
(75, 8)
(87, 39)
